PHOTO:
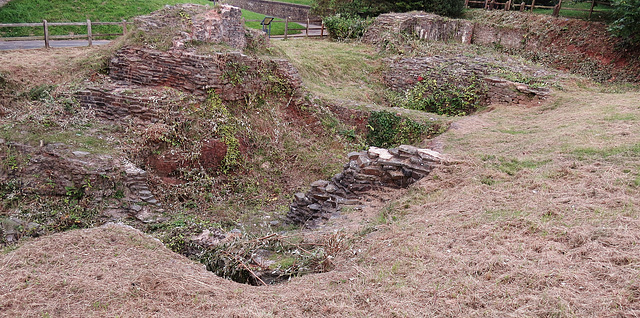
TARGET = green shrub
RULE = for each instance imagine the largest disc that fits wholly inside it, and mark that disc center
(387, 130)
(627, 23)
(443, 96)
(346, 26)
(368, 8)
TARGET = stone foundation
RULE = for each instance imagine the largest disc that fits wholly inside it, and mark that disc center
(231, 75)
(119, 102)
(375, 168)
(404, 73)
(431, 27)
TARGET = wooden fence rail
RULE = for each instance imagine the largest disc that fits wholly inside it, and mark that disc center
(306, 29)
(522, 6)
(46, 37)
(90, 35)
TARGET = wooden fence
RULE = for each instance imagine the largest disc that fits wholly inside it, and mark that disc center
(46, 37)
(522, 6)
(316, 31)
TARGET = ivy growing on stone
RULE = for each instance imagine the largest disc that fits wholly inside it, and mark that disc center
(443, 95)
(388, 130)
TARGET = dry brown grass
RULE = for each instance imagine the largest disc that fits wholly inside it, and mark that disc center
(30, 68)
(554, 234)
(538, 218)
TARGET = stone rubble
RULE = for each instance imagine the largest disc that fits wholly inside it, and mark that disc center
(375, 168)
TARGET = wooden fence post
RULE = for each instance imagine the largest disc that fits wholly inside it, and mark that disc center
(533, 4)
(466, 4)
(307, 30)
(557, 8)
(321, 28)
(124, 27)
(286, 27)
(89, 37)
(46, 33)
(522, 6)
(593, 3)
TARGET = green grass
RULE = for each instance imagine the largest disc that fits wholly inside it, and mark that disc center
(304, 2)
(277, 26)
(332, 70)
(30, 11)
(625, 150)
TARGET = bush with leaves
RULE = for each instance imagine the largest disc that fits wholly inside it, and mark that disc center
(388, 130)
(369, 8)
(627, 23)
(346, 26)
(443, 96)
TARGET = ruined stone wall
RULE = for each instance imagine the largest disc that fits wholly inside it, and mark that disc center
(231, 75)
(191, 22)
(121, 102)
(295, 12)
(375, 168)
(403, 73)
(432, 27)
(491, 35)
(425, 26)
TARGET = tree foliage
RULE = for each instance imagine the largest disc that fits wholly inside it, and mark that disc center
(367, 8)
(627, 23)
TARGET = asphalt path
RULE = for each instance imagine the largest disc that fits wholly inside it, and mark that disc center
(22, 45)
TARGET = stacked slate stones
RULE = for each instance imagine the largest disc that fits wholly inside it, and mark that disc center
(367, 170)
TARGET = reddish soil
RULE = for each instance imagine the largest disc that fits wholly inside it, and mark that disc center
(212, 154)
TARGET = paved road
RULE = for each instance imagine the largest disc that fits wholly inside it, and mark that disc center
(20, 45)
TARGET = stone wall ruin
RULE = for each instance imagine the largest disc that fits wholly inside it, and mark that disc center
(431, 27)
(373, 169)
(403, 73)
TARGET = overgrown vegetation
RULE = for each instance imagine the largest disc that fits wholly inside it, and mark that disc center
(443, 95)
(265, 258)
(387, 130)
(346, 26)
(627, 20)
(368, 8)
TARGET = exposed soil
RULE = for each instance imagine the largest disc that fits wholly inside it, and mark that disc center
(582, 47)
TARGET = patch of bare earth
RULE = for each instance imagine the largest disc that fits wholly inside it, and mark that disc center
(538, 218)
(32, 68)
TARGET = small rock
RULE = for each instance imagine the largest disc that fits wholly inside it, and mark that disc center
(319, 184)
(375, 152)
(408, 149)
(353, 155)
(80, 153)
